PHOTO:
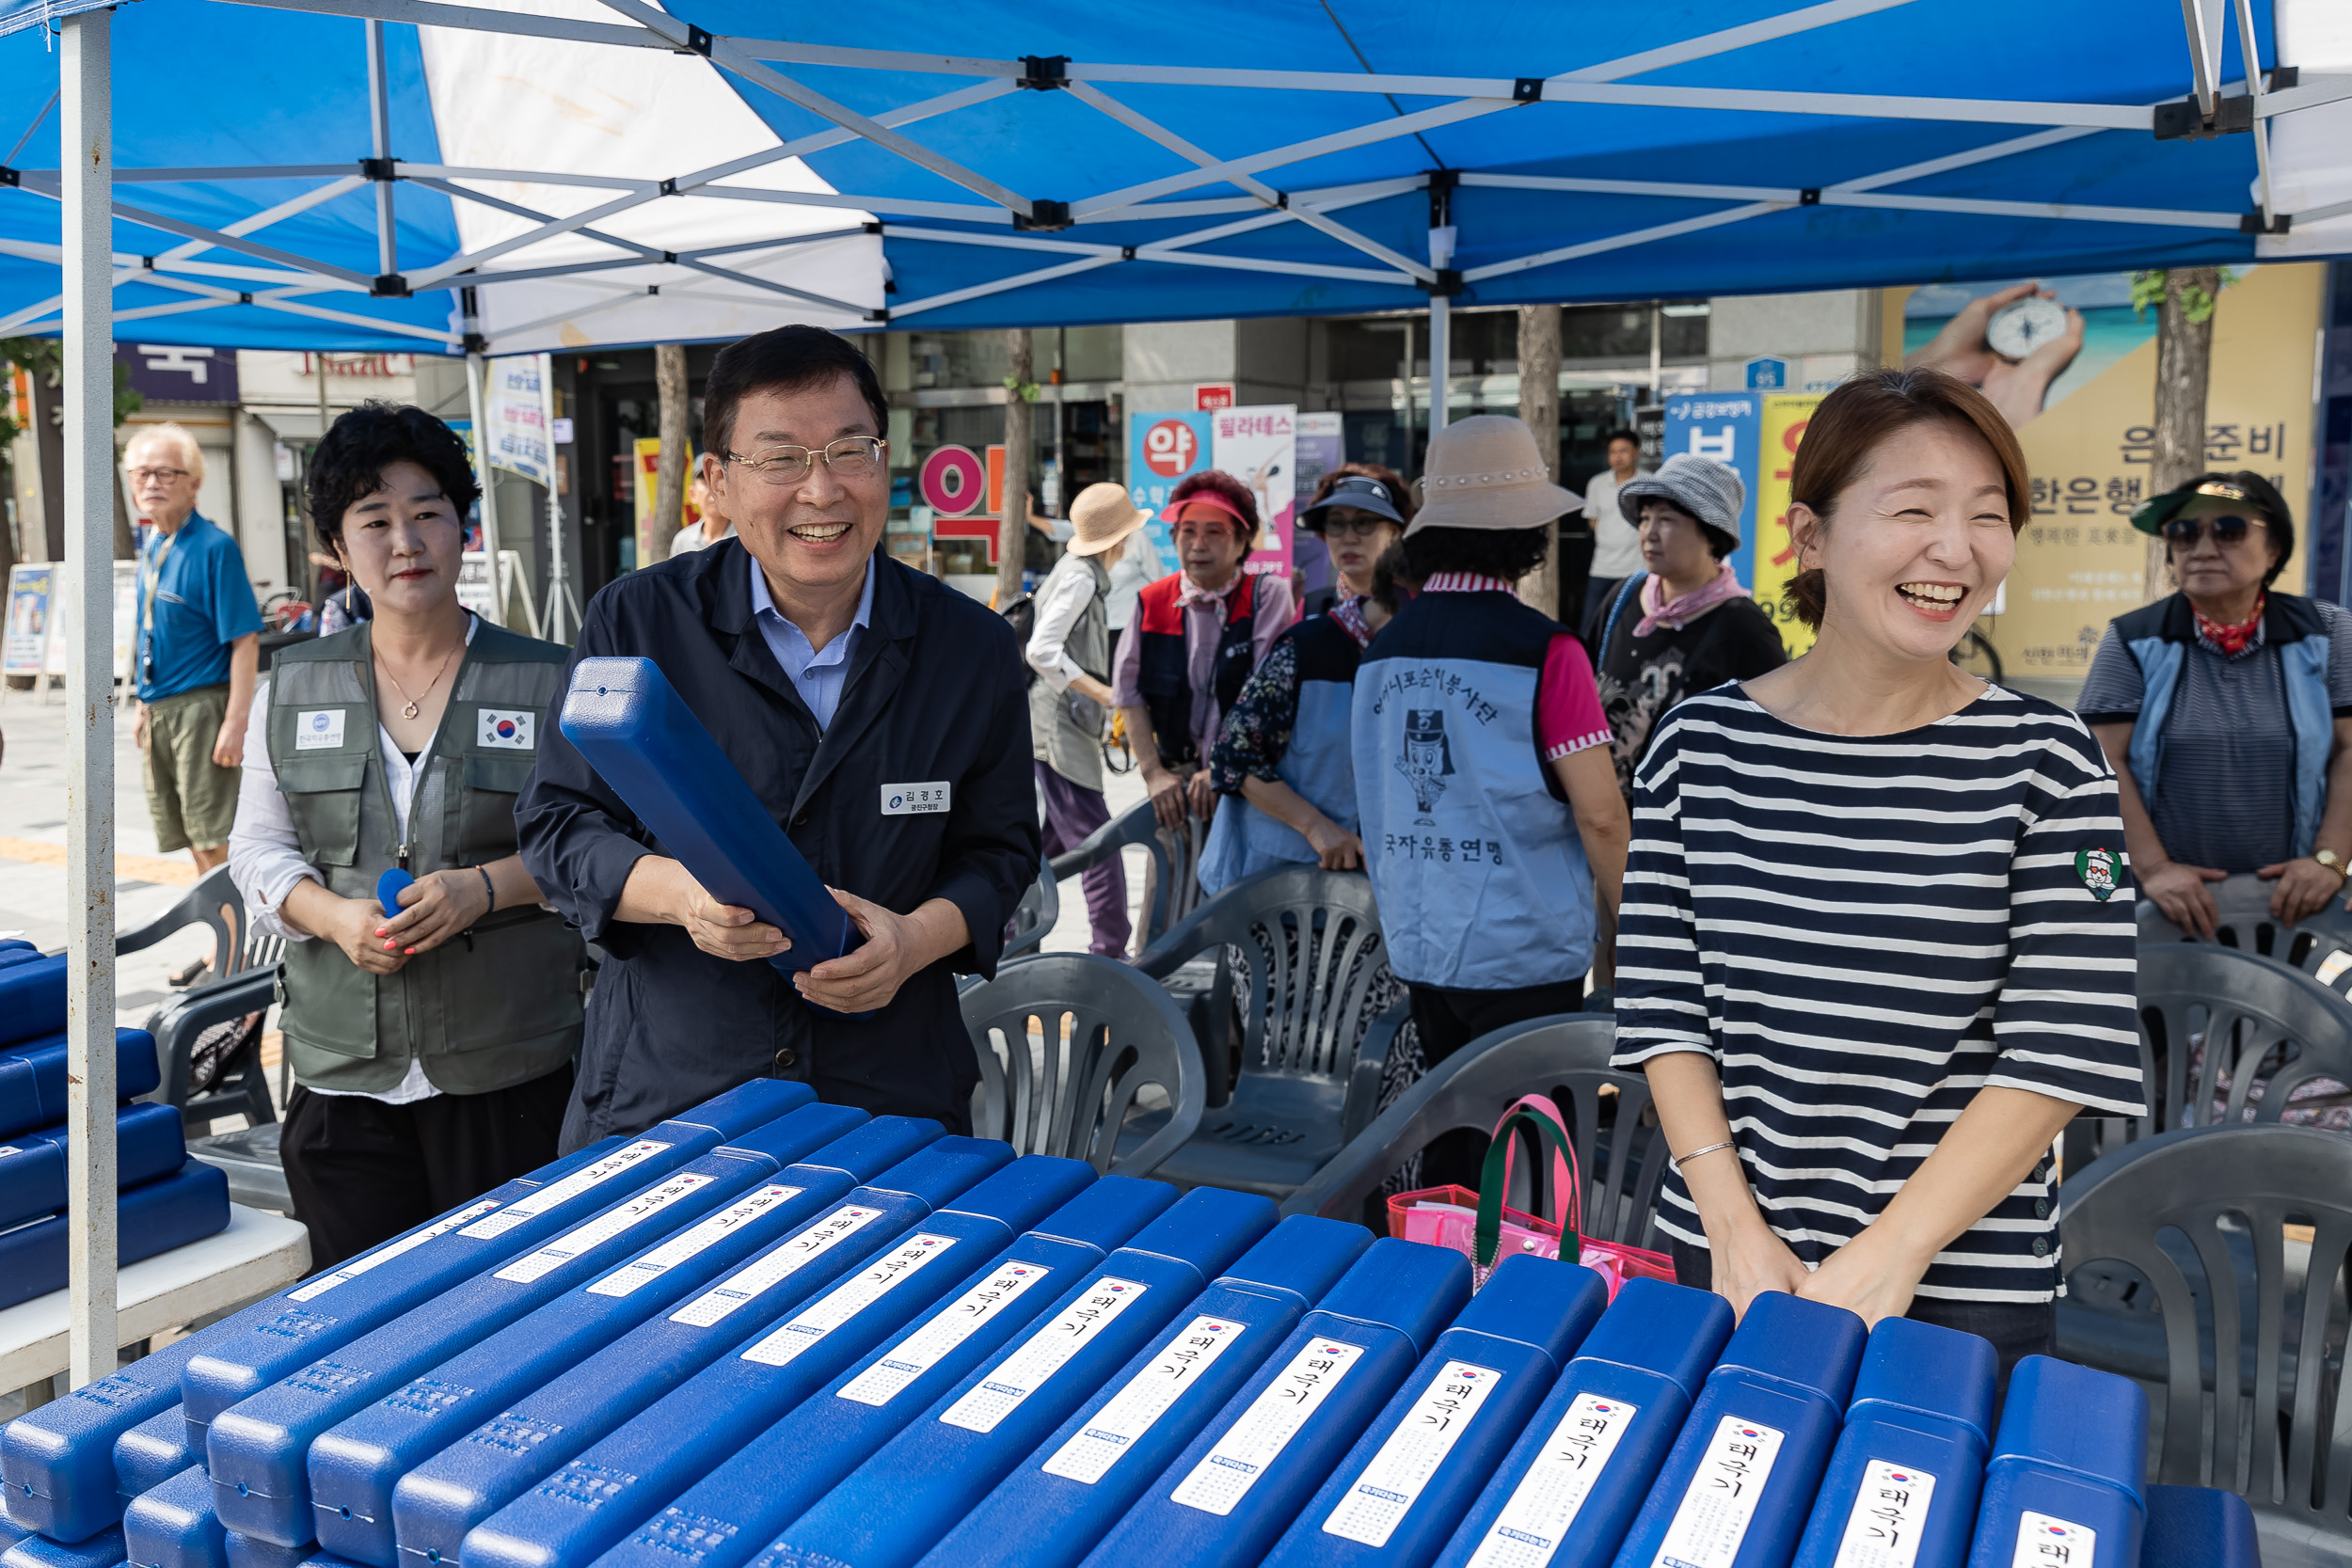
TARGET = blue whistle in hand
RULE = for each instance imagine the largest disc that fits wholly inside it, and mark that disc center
(387, 889)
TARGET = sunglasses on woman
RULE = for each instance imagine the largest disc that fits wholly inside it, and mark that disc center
(2228, 530)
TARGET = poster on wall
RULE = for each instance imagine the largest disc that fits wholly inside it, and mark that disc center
(653, 538)
(1726, 427)
(515, 410)
(27, 637)
(1259, 447)
(1770, 551)
(1162, 449)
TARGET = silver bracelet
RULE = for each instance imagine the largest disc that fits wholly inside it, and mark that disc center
(1675, 1162)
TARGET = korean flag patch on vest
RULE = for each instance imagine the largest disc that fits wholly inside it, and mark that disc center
(505, 731)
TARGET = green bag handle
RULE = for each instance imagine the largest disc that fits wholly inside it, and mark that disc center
(1556, 1141)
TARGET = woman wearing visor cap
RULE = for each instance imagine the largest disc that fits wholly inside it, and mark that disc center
(2224, 710)
(1358, 511)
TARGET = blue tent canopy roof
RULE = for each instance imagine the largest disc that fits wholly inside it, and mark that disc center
(1700, 148)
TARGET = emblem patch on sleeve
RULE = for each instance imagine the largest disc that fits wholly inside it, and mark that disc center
(2100, 870)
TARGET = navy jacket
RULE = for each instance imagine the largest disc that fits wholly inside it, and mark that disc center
(935, 692)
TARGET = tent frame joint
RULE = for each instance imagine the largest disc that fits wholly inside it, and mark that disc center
(2182, 122)
(880, 318)
(379, 168)
(10, 176)
(1043, 72)
(475, 343)
(698, 41)
(391, 285)
(1043, 217)
(1446, 285)
(1528, 90)
(2252, 223)
(1809, 197)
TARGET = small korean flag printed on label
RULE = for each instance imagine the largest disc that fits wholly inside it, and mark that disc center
(2046, 1542)
(917, 800)
(505, 730)
(319, 730)
(1883, 1529)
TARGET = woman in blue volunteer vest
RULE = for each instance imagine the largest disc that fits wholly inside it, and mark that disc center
(1359, 512)
(2224, 710)
(1282, 762)
(1491, 821)
(431, 1050)
(1194, 637)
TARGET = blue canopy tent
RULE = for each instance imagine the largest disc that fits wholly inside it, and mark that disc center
(535, 174)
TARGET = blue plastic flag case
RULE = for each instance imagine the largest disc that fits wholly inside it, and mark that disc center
(2198, 1526)
(1580, 1470)
(608, 1491)
(896, 1505)
(104, 1550)
(258, 1450)
(32, 999)
(1742, 1479)
(174, 1526)
(640, 737)
(437, 1502)
(32, 1077)
(149, 1145)
(1235, 1487)
(1906, 1471)
(243, 1551)
(152, 1453)
(1077, 1484)
(179, 1208)
(2068, 1471)
(1414, 1473)
(731, 1515)
(58, 1461)
(354, 1465)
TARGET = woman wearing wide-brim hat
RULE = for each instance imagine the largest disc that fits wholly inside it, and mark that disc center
(1491, 821)
(1070, 649)
(2225, 709)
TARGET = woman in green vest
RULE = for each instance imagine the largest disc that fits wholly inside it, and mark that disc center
(432, 1049)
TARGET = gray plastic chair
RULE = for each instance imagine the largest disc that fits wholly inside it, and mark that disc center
(2264, 1417)
(245, 986)
(1171, 887)
(1066, 1042)
(1034, 917)
(1311, 1050)
(1565, 1056)
(2241, 904)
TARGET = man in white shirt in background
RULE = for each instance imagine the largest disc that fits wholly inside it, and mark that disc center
(706, 532)
(1617, 544)
(1069, 701)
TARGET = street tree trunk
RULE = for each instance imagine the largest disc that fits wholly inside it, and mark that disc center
(2183, 362)
(1012, 528)
(1539, 409)
(669, 487)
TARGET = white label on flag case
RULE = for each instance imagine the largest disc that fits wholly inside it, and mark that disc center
(382, 1255)
(1089, 1456)
(1392, 1483)
(949, 1327)
(1883, 1530)
(539, 1264)
(2044, 1542)
(533, 1204)
(1228, 1471)
(679, 1248)
(1544, 1506)
(999, 1393)
(838, 1306)
(773, 1267)
(1720, 1501)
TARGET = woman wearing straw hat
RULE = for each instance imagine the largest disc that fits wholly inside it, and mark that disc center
(1684, 624)
(1491, 821)
(1070, 650)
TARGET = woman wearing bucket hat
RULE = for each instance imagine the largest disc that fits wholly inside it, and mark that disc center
(2228, 694)
(1070, 648)
(1873, 959)
(1492, 825)
(1358, 511)
(1683, 624)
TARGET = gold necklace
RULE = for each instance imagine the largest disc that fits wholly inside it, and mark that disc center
(411, 710)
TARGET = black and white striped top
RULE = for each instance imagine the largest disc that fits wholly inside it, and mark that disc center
(1864, 930)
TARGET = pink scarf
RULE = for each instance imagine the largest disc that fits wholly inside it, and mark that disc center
(1678, 613)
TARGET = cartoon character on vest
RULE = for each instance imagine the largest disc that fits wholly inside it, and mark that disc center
(1427, 760)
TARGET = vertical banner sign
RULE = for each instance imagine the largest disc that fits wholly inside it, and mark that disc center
(1162, 449)
(27, 637)
(1775, 553)
(515, 411)
(653, 540)
(1726, 427)
(1322, 446)
(1259, 447)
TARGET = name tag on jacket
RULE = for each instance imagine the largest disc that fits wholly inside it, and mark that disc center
(507, 730)
(319, 730)
(915, 800)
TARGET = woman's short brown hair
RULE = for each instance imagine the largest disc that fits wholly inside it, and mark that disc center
(1865, 414)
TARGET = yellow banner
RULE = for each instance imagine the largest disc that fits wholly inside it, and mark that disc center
(648, 458)
(1781, 426)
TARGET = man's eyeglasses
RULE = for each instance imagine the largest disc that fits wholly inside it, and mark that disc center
(157, 476)
(852, 457)
(2230, 530)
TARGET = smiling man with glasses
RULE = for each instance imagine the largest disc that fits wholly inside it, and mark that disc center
(880, 717)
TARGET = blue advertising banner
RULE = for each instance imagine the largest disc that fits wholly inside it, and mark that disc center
(1161, 449)
(1725, 426)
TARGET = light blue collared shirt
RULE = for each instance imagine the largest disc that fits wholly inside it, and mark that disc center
(817, 673)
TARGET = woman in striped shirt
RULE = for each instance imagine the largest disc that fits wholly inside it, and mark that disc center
(1877, 946)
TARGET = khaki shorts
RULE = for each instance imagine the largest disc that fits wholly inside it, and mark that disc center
(193, 803)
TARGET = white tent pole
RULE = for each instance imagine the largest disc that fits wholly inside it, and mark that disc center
(88, 188)
(1441, 236)
(483, 475)
(1441, 353)
(2201, 60)
(2254, 86)
(380, 141)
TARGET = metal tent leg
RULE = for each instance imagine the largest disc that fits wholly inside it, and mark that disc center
(88, 189)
